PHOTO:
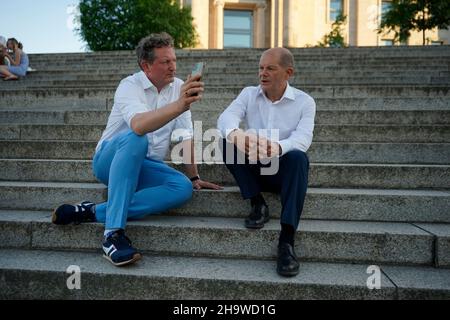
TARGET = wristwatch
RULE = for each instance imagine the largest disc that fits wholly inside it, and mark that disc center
(194, 178)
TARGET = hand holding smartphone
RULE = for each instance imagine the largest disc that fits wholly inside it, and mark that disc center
(197, 70)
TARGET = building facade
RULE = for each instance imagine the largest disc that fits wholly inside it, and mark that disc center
(292, 23)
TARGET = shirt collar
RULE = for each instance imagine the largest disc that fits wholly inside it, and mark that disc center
(288, 92)
(147, 84)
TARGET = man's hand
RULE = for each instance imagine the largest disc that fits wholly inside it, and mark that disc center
(192, 86)
(244, 141)
(200, 184)
(267, 148)
(256, 148)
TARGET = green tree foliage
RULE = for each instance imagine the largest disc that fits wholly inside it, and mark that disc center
(335, 37)
(120, 24)
(405, 16)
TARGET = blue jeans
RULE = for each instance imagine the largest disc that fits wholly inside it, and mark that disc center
(137, 186)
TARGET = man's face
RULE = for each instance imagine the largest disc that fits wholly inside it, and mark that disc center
(272, 76)
(163, 69)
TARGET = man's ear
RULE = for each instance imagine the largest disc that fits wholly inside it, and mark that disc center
(145, 66)
(290, 71)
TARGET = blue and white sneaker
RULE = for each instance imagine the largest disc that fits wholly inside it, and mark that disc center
(78, 213)
(118, 250)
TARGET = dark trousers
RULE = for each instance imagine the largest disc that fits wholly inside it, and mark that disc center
(290, 181)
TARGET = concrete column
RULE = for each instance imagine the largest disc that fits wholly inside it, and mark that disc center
(352, 21)
(291, 23)
(277, 23)
(272, 23)
(200, 13)
(260, 22)
(218, 7)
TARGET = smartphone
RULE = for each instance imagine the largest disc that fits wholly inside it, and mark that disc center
(197, 70)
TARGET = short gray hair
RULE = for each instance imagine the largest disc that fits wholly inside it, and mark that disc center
(145, 50)
(286, 59)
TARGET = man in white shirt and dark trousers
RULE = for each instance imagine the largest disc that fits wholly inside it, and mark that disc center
(148, 107)
(277, 107)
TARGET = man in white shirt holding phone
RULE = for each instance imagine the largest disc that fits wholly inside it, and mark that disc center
(148, 107)
(277, 107)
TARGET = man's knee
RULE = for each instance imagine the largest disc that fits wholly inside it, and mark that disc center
(136, 143)
(296, 159)
(182, 187)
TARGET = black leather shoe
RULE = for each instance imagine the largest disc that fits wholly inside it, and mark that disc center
(258, 216)
(287, 264)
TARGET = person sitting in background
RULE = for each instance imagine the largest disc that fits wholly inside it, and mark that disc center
(3, 60)
(19, 61)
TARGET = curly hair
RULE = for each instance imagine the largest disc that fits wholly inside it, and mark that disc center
(145, 50)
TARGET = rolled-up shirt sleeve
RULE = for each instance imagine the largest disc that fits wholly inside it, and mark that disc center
(301, 137)
(230, 119)
(127, 101)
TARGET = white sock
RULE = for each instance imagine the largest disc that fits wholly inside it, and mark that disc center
(108, 232)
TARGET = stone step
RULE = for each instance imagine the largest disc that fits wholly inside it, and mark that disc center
(51, 97)
(51, 132)
(254, 56)
(329, 111)
(409, 68)
(363, 60)
(320, 152)
(323, 117)
(320, 175)
(441, 232)
(223, 75)
(374, 54)
(325, 91)
(215, 71)
(409, 153)
(319, 241)
(333, 204)
(381, 133)
(373, 51)
(50, 117)
(36, 274)
(231, 69)
(76, 100)
(47, 149)
(322, 133)
(321, 203)
(393, 104)
(242, 80)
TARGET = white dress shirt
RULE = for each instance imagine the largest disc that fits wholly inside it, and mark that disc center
(137, 94)
(293, 116)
